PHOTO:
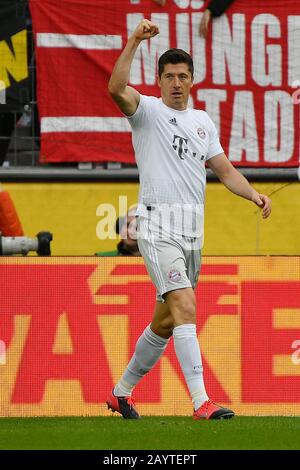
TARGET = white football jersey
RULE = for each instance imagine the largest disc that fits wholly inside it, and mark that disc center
(171, 148)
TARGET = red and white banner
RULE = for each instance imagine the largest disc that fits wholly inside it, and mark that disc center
(247, 75)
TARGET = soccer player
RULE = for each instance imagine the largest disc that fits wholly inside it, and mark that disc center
(172, 144)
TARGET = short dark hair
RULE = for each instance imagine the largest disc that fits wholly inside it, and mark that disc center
(175, 56)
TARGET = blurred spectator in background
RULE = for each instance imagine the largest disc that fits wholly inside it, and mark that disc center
(214, 8)
(126, 228)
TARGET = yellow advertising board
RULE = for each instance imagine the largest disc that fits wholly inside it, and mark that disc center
(233, 226)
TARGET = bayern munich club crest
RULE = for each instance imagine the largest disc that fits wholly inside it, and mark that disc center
(201, 133)
(174, 275)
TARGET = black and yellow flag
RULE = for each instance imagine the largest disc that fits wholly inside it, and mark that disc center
(14, 70)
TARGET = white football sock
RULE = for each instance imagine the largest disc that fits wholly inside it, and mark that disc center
(148, 349)
(189, 356)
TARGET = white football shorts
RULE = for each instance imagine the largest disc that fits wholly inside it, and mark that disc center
(172, 261)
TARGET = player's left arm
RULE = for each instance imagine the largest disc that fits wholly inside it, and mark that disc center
(237, 183)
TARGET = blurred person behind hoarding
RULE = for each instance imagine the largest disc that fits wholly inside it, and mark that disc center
(125, 227)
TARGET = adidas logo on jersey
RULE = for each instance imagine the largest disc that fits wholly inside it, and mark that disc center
(173, 121)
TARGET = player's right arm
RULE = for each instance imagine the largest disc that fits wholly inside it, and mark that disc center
(126, 97)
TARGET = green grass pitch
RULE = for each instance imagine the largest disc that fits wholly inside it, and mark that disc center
(149, 433)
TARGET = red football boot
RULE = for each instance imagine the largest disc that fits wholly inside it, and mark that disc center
(210, 410)
(123, 405)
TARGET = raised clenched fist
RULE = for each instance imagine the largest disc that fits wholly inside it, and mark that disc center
(146, 30)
